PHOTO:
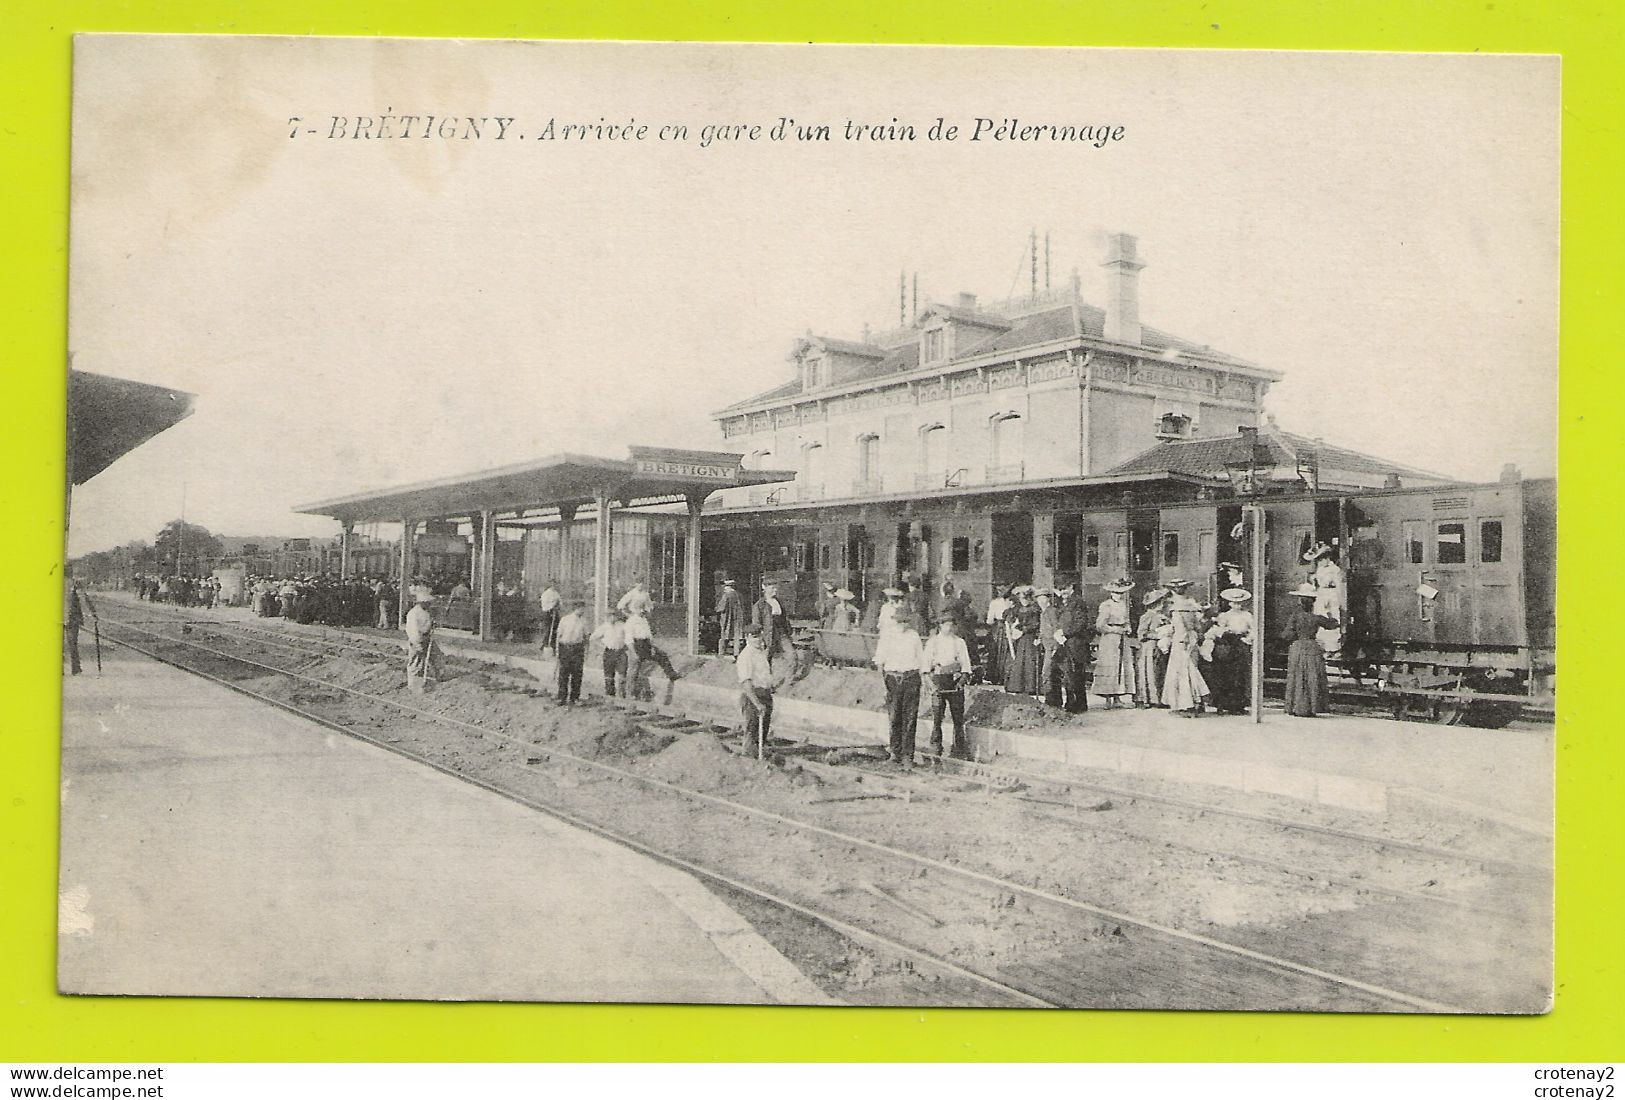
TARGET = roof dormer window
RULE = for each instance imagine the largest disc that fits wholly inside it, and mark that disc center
(1173, 426)
(934, 345)
(814, 372)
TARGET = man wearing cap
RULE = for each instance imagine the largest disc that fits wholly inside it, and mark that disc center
(731, 619)
(422, 661)
(900, 657)
(947, 659)
(1073, 634)
(755, 688)
(571, 648)
(611, 634)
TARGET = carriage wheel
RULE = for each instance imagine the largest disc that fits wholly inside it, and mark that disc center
(1450, 712)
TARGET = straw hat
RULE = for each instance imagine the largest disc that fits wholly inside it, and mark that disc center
(1307, 590)
(845, 594)
(421, 594)
(1236, 595)
(1177, 584)
(1318, 550)
(1120, 585)
(894, 593)
(1155, 596)
(1230, 565)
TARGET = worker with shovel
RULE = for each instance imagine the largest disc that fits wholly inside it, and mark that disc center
(755, 690)
(422, 662)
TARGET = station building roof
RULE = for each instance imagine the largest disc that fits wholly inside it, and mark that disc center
(110, 417)
(1209, 458)
(562, 480)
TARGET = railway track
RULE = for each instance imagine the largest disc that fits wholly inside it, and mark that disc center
(905, 901)
(1064, 788)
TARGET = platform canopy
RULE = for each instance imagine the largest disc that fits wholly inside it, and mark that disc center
(110, 417)
(561, 480)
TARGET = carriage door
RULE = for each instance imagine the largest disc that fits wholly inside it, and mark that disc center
(1145, 551)
(860, 559)
(1288, 535)
(1012, 547)
(1452, 609)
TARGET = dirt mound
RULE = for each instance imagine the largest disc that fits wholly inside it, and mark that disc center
(841, 687)
(702, 761)
(995, 709)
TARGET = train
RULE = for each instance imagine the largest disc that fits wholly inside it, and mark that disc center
(1450, 589)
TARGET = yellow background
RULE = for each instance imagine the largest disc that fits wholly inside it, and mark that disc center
(38, 1025)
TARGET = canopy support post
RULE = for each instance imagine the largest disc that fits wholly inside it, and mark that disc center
(409, 531)
(600, 558)
(344, 551)
(691, 569)
(487, 578)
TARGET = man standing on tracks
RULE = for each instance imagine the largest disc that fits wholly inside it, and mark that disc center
(74, 621)
(755, 689)
(611, 634)
(572, 653)
(549, 625)
(422, 662)
(947, 658)
(900, 657)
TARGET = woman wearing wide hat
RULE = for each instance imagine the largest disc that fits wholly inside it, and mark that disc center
(1183, 688)
(1326, 575)
(1151, 657)
(1306, 689)
(1230, 678)
(1114, 648)
(1026, 648)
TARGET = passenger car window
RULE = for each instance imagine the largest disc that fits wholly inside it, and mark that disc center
(1411, 535)
(1489, 540)
(1451, 544)
(1170, 549)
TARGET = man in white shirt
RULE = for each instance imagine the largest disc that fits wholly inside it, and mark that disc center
(641, 652)
(637, 600)
(571, 647)
(548, 601)
(947, 659)
(611, 634)
(899, 656)
(755, 690)
(422, 662)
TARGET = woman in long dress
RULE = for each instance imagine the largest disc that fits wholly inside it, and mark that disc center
(1306, 689)
(1327, 579)
(1024, 649)
(1151, 661)
(1183, 688)
(1231, 678)
(1049, 621)
(998, 647)
(1114, 649)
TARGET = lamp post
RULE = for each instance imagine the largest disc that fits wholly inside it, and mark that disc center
(1244, 471)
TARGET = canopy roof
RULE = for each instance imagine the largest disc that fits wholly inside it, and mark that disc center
(650, 473)
(110, 417)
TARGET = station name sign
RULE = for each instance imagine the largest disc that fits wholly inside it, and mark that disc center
(703, 471)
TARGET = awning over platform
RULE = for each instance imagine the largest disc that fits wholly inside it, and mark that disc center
(562, 480)
(110, 417)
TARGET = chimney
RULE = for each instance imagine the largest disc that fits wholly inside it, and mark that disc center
(965, 300)
(1122, 289)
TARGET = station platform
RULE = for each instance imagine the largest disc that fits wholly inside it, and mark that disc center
(1365, 764)
(215, 846)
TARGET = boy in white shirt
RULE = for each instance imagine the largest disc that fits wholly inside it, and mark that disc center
(947, 659)
(899, 656)
(611, 634)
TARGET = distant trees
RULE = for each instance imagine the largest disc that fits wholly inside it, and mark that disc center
(185, 548)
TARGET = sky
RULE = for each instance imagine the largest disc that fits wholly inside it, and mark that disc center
(1383, 229)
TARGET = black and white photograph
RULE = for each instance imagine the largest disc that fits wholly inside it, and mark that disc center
(808, 524)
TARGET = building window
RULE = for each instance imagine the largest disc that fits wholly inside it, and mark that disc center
(1122, 549)
(1006, 449)
(757, 460)
(1173, 426)
(935, 345)
(1142, 550)
(1091, 551)
(1489, 541)
(1170, 549)
(823, 556)
(669, 556)
(1204, 548)
(812, 466)
(934, 454)
(1451, 544)
(1410, 532)
(869, 459)
(959, 555)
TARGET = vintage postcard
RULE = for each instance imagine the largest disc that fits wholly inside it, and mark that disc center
(804, 524)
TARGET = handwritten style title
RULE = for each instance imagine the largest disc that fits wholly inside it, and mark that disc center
(391, 126)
